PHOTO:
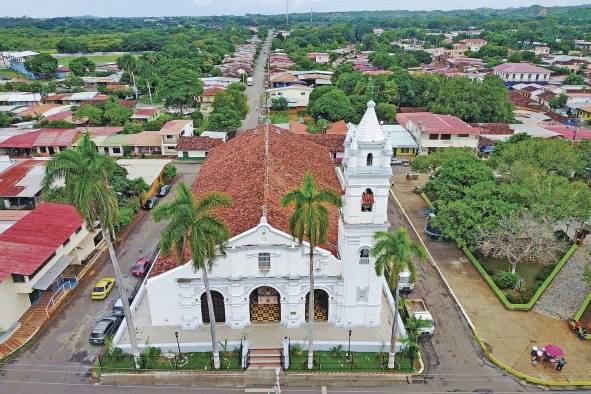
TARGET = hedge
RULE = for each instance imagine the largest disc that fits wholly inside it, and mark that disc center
(583, 307)
(503, 298)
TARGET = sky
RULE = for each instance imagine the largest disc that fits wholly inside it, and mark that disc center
(105, 8)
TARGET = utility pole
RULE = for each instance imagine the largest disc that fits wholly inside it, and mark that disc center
(287, 14)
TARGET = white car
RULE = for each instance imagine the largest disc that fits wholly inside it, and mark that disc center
(396, 162)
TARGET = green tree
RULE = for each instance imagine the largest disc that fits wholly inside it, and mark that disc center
(310, 222)
(193, 229)
(279, 103)
(146, 66)
(394, 254)
(224, 119)
(128, 63)
(333, 106)
(574, 79)
(558, 101)
(5, 119)
(81, 66)
(44, 65)
(386, 112)
(89, 113)
(413, 326)
(115, 114)
(86, 175)
(180, 89)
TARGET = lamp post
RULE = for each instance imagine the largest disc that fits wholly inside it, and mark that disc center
(349, 348)
(176, 334)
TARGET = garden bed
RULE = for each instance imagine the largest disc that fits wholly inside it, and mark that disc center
(279, 117)
(189, 361)
(360, 362)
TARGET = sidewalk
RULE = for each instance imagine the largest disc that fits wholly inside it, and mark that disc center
(506, 335)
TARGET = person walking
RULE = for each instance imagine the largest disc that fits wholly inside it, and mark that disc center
(561, 363)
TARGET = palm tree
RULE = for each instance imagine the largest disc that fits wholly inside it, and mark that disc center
(128, 63)
(309, 221)
(146, 67)
(413, 327)
(194, 228)
(86, 175)
(393, 253)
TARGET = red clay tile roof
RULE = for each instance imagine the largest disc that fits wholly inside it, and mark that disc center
(493, 128)
(339, 127)
(30, 242)
(546, 96)
(332, 142)
(197, 143)
(145, 112)
(297, 127)
(212, 90)
(237, 168)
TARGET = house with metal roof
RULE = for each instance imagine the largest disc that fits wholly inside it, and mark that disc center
(21, 182)
(34, 252)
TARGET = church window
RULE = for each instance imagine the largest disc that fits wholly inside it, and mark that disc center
(367, 200)
(362, 294)
(264, 262)
(370, 159)
(364, 256)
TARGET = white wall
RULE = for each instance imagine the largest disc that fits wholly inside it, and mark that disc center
(13, 304)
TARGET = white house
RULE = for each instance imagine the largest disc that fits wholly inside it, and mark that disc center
(319, 57)
(435, 131)
(170, 133)
(297, 96)
(264, 276)
(18, 99)
(196, 147)
(522, 72)
(35, 252)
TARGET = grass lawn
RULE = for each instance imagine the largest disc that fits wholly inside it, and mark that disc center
(279, 117)
(95, 58)
(533, 275)
(362, 362)
(194, 361)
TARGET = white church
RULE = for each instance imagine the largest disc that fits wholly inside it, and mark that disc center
(263, 279)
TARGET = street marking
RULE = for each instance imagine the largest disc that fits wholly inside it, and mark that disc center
(323, 388)
(257, 390)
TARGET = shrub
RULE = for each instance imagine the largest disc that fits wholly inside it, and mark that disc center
(148, 355)
(296, 350)
(506, 280)
(545, 272)
(169, 172)
(125, 216)
(337, 351)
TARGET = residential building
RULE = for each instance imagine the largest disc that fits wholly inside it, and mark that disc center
(16, 61)
(470, 44)
(145, 114)
(512, 73)
(319, 57)
(112, 145)
(263, 278)
(19, 99)
(196, 147)
(208, 96)
(21, 182)
(145, 143)
(77, 99)
(541, 50)
(313, 77)
(573, 133)
(218, 81)
(334, 143)
(583, 44)
(403, 143)
(93, 82)
(35, 251)
(42, 142)
(297, 95)
(171, 132)
(435, 131)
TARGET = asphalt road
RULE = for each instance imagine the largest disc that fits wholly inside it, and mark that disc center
(61, 354)
(255, 91)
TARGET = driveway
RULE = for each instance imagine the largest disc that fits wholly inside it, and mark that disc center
(257, 89)
(61, 353)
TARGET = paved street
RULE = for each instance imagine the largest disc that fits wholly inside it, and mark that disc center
(255, 91)
(61, 354)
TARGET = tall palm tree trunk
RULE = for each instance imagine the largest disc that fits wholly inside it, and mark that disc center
(123, 293)
(214, 341)
(392, 354)
(134, 85)
(311, 312)
(149, 89)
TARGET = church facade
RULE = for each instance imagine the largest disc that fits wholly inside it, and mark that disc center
(264, 276)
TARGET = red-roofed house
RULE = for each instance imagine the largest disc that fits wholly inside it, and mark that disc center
(196, 147)
(522, 72)
(570, 132)
(21, 182)
(171, 132)
(207, 98)
(435, 131)
(44, 142)
(34, 253)
(145, 114)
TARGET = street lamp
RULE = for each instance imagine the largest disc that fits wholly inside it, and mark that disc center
(349, 348)
(176, 334)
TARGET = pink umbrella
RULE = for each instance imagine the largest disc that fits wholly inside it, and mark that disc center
(553, 350)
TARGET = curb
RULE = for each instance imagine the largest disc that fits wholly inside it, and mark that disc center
(490, 356)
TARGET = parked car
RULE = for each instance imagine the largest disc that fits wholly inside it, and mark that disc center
(396, 162)
(141, 267)
(118, 308)
(164, 190)
(104, 328)
(150, 203)
(102, 288)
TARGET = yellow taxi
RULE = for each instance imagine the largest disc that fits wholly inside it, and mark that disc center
(102, 288)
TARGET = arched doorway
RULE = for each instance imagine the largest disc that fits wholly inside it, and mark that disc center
(265, 305)
(320, 305)
(219, 310)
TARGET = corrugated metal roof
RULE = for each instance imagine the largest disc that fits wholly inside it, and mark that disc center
(26, 245)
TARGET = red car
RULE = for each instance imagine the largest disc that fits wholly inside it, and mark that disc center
(141, 267)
